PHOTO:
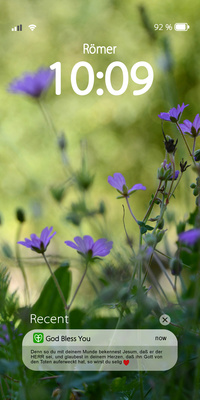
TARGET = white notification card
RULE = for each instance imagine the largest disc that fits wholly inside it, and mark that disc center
(100, 350)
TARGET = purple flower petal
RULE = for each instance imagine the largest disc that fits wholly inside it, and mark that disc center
(72, 244)
(118, 182)
(102, 248)
(38, 244)
(32, 84)
(174, 114)
(193, 128)
(138, 186)
(196, 123)
(190, 237)
(164, 116)
(88, 242)
(81, 244)
(87, 245)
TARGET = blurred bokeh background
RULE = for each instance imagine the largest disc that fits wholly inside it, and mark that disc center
(120, 133)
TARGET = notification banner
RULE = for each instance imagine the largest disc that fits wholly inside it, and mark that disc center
(100, 350)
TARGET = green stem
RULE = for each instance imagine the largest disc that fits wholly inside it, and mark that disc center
(186, 143)
(128, 239)
(156, 283)
(162, 211)
(129, 207)
(177, 183)
(141, 386)
(21, 370)
(93, 285)
(78, 287)
(152, 204)
(56, 283)
(173, 178)
(20, 265)
(132, 277)
(194, 144)
(163, 270)
(47, 117)
(197, 378)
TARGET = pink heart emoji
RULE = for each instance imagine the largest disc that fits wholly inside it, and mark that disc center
(126, 362)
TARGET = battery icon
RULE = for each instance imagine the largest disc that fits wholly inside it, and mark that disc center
(181, 27)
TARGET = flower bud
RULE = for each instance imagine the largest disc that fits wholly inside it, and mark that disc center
(102, 208)
(153, 238)
(20, 215)
(161, 224)
(84, 180)
(183, 165)
(180, 227)
(159, 235)
(170, 146)
(161, 173)
(62, 142)
(150, 239)
(58, 193)
(196, 191)
(176, 266)
(197, 155)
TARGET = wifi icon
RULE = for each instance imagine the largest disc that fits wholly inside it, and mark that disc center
(32, 27)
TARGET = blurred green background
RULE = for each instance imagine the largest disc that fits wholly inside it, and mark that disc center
(123, 133)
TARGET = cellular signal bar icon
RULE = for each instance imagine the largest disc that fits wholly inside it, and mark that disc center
(17, 28)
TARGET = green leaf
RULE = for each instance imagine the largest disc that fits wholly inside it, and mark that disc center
(192, 217)
(141, 223)
(149, 228)
(7, 251)
(118, 384)
(144, 228)
(49, 302)
(6, 366)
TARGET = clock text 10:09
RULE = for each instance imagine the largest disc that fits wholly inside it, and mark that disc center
(145, 81)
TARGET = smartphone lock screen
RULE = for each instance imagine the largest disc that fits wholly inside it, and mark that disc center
(100, 200)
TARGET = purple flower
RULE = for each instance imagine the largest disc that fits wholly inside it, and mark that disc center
(89, 248)
(165, 173)
(4, 334)
(193, 128)
(190, 237)
(32, 84)
(174, 114)
(119, 183)
(168, 167)
(39, 244)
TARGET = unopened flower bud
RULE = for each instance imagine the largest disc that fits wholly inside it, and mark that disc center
(102, 208)
(58, 193)
(161, 224)
(197, 155)
(176, 266)
(150, 239)
(195, 191)
(180, 227)
(62, 142)
(170, 146)
(84, 180)
(183, 165)
(159, 235)
(20, 215)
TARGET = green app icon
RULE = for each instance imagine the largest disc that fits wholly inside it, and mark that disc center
(38, 337)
